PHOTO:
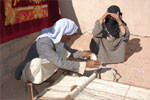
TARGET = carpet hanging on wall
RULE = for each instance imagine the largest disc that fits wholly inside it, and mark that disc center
(23, 17)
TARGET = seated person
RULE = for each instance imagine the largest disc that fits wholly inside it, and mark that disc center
(48, 54)
(110, 36)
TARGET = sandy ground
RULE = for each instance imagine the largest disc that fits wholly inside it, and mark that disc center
(136, 69)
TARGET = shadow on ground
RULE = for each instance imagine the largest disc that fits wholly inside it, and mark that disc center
(133, 46)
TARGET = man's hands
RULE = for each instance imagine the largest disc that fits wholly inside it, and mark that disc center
(87, 54)
(93, 64)
(90, 63)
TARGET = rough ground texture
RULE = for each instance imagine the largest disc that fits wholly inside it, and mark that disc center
(136, 69)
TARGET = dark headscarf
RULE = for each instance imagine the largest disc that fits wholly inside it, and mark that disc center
(111, 24)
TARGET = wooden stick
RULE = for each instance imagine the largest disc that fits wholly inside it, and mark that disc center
(78, 89)
(30, 90)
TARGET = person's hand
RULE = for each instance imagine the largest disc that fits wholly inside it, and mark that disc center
(115, 16)
(103, 17)
(93, 64)
(87, 54)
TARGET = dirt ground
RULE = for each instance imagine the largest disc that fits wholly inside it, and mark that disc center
(136, 69)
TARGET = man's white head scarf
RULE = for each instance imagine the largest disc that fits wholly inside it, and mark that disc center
(62, 27)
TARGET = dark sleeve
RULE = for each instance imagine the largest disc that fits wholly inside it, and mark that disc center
(74, 53)
(98, 28)
(32, 53)
(46, 50)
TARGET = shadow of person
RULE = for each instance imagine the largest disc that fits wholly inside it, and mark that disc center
(133, 46)
(67, 11)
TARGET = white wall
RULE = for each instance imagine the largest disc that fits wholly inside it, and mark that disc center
(136, 13)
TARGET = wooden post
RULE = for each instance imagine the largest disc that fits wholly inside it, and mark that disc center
(30, 91)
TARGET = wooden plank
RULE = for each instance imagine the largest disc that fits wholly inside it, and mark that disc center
(96, 90)
(135, 93)
(100, 89)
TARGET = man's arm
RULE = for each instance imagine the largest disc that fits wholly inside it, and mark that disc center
(74, 53)
(98, 28)
(46, 50)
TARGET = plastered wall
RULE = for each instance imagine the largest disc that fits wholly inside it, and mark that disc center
(136, 13)
(11, 54)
